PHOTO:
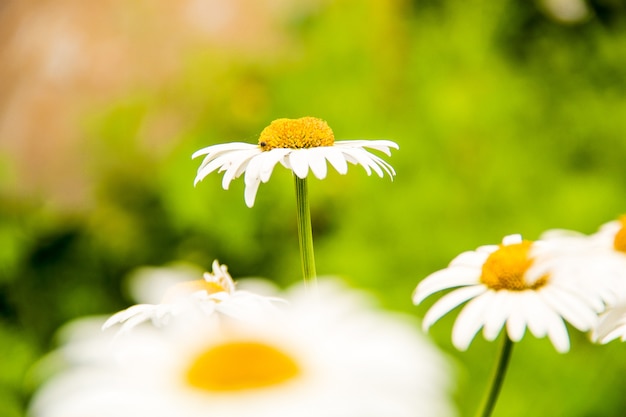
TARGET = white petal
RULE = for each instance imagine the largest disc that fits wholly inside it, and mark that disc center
(535, 312)
(223, 147)
(250, 192)
(609, 325)
(470, 259)
(269, 162)
(379, 145)
(122, 316)
(444, 279)
(253, 170)
(569, 307)
(512, 239)
(236, 168)
(337, 160)
(367, 159)
(298, 161)
(497, 315)
(317, 162)
(557, 332)
(449, 302)
(516, 323)
(470, 320)
(352, 155)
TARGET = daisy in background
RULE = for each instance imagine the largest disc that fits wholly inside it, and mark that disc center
(299, 145)
(345, 358)
(510, 285)
(605, 261)
(215, 293)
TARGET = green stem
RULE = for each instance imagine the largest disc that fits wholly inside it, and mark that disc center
(498, 377)
(305, 233)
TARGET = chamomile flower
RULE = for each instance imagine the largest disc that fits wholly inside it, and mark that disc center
(509, 284)
(308, 360)
(214, 293)
(299, 145)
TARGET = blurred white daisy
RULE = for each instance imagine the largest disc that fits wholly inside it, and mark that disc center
(340, 359)
(611, 325)
(298, 144)
(510, 284)
(214, 293)
(597, 261)
(612, 235)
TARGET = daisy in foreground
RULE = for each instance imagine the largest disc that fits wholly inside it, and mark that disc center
(299, 145)
(307, 361)
(216, 292)
(510, 284)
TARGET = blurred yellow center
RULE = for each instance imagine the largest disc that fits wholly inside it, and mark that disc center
(619, 242)
(505, 268)
(189, 287)
(306, 132)
(241, 365)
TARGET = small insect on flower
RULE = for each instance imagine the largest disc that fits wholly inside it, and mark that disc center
(299, 145)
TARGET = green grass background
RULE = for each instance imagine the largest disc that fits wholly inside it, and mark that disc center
(508, 121)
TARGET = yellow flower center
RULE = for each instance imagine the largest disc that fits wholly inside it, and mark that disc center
(505, 268)
(306, 132)
(241, 365)
(619, 242)
(189, 287)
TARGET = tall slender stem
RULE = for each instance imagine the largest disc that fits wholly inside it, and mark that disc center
(491, 397)
(305, 233)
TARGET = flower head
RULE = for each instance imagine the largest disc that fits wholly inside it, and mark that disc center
(299, 145)
(307, 360)
(513, 284)
(214, 293)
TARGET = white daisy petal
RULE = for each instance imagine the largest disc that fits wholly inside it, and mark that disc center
(366, 159)
(236, 168)
(512, 239)
(250, 192)
(535, 312)
(337, 160)
(224, 147)
(472, 259)
(444, 279)
(124, 315)
(448, 302)
(299, 162)
(270, 161)
(569, 308)
(516, 323)
(317, 162)
(557, 332)
(470, 320)
(497, 315)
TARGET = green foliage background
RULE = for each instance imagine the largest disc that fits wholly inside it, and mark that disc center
(508, 121)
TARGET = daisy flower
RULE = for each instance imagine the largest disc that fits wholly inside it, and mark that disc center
(214, 293)
(299, 145)
(309, 360)
(509, 284)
